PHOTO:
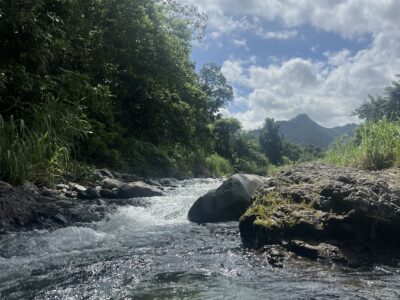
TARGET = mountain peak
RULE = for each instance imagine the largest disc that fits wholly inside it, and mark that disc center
(302, 130)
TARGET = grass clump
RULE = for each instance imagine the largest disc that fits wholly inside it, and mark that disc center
(376, 146)
(40, 151)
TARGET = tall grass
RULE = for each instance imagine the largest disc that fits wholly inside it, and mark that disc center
(41, 151)
(376, 146)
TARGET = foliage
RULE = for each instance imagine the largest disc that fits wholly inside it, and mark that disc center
(215, 86)
(225, 132)
(41, 152)
(271, 141)
(377, 147)
(218, 165)
(383, 106)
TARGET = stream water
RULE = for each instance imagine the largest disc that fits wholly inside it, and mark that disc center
(155, 253)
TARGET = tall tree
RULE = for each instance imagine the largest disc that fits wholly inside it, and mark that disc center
(216, 87)
(271, 141)
(225, 131)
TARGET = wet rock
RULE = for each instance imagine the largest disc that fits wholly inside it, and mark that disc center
(228, 202)
(77, 187)
(328, 209)
(153, 182)
(138, 189)
(105, 173)
(62, 186)
(47, 192)
(168, 182)
(59, 218)
(106, 193)
(89, 194)
(110, 184)
(71, 194)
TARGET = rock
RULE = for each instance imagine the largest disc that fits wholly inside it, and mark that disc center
(108, 194)
(153, 182)
(62, 186)
(228, 202)
(168, 182)
(47, 192)
(106, 173)
(329, 209)
(70, 194)
(138, 189)
(77, 187)
(89, 194)
(5, 186)
(59, 218)
(110, 184)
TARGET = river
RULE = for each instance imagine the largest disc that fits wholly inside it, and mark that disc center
(155, 253)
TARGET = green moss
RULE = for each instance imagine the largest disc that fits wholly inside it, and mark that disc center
(272, 211)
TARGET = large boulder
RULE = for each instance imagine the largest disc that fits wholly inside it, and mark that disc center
(313, 204)
(138, 189)
(228, 202)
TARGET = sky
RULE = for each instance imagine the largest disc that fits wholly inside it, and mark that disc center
(288, 57)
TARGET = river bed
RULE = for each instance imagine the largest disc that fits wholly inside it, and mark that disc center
(155, 253)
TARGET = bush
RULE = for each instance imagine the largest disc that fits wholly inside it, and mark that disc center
(376, 146)
(218, 165)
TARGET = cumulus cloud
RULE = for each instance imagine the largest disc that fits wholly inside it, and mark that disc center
(328, 90)
(240, 43)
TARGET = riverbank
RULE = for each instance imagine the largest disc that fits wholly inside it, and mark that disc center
(28, 207)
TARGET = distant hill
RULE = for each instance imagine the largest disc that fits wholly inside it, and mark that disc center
(303, 131)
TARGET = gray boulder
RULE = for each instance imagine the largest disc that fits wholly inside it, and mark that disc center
(138, 189)
(110, 184)
(228, 202)
(89, 194)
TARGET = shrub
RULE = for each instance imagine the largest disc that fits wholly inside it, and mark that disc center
(218, 165)
(376, 146)
(40, 152)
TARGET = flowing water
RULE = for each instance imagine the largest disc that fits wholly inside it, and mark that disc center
(155, 253)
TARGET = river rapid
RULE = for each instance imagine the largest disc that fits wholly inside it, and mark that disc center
(155, 253)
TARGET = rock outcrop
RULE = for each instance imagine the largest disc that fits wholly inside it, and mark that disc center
(320, 211)
(228, 202)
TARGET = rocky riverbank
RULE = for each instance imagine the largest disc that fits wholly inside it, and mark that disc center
(327, 213)
(28, 207)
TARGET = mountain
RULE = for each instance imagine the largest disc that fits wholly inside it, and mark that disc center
(303, 131)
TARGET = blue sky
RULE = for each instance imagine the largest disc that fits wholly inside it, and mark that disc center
(288, 57)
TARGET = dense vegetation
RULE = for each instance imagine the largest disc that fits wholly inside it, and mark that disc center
(376, 143)
(111, 83)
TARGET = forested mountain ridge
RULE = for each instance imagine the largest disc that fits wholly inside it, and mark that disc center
(303, 131)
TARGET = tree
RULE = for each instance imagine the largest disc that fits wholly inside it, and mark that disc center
(383, 106)
(271, 141)
(225, 130)
(216, 87)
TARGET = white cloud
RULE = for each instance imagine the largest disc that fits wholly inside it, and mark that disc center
(349, 18)
(240, 43)
(328, 91)
(278, 35)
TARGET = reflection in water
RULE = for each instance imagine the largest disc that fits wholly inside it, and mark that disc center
(155, 253)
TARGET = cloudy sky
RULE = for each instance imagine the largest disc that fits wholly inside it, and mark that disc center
(288, 57)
